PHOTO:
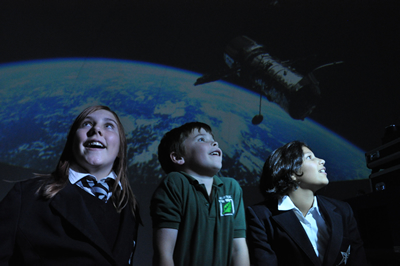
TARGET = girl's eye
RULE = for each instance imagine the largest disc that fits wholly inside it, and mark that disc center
(110, 126)
(86, 123)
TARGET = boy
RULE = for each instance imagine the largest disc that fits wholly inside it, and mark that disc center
(198, 218)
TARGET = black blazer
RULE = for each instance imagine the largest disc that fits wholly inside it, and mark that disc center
(59, 231)
(277, 237)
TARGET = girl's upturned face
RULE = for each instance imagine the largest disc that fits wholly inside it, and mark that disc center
(96, 143)
(314, 172)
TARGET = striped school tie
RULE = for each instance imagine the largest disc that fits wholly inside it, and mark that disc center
(101, 188)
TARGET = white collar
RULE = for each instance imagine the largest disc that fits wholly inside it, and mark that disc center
(75, 176)
(285, 204)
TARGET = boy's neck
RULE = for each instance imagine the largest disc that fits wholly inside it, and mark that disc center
(207, 181)
(203, 179)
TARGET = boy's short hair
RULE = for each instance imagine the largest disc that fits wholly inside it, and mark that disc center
(173, 140)
(276, 179)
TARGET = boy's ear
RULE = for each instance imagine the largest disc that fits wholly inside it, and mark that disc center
(176, 159)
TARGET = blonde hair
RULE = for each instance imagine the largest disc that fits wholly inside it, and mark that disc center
(58, 179)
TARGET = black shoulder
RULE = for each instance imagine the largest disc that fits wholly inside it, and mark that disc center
(23, 190)
(270, 206)
(335, 202)
(338, 205)
(29, 184)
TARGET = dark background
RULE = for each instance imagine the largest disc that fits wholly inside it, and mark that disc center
(359, 97)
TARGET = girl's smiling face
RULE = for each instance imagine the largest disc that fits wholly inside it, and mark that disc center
(96, 143)
(314, 175)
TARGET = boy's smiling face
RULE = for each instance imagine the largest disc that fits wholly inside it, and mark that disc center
(202, 156)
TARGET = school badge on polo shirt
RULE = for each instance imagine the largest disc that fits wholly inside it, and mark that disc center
(226, 205)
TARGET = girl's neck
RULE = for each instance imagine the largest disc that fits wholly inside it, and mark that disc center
(98, 173)
(302, 199)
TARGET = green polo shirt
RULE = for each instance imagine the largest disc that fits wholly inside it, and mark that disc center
(206, 226)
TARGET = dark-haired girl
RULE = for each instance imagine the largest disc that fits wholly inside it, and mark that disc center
(294, 226)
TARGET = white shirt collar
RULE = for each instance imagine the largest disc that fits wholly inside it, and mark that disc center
(285, 204)
(75, 176)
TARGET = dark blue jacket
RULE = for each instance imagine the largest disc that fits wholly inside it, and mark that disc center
(59, 231)
(277, 237)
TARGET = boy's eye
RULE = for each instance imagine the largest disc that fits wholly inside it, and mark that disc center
(201, 139)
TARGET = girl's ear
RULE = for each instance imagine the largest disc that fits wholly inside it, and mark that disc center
(176, 159)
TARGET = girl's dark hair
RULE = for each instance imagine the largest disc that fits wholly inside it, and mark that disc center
(58, 179)
(173, 140)
(276, 179)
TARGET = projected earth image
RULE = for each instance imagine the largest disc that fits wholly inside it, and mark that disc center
(40, 99)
